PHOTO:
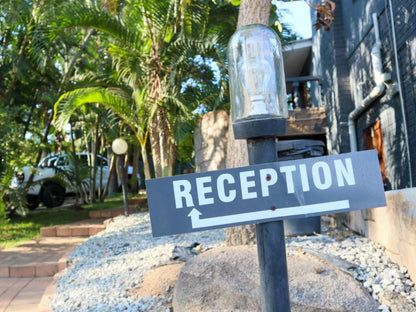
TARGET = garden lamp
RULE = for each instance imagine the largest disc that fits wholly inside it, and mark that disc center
(257, 83)
(120, 148)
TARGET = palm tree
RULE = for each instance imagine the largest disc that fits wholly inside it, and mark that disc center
(152, 41)
(132, 111)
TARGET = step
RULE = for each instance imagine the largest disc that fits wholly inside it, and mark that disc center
(306, 126)
(139, 204)
(86, 228)
(38, 258)
(114, 212)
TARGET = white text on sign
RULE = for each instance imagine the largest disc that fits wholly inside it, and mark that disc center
(227, 187)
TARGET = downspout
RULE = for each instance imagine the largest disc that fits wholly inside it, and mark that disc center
(399, 82)
(377, 91)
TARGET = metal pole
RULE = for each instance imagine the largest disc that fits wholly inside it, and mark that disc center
(270, 241)
(123, 185)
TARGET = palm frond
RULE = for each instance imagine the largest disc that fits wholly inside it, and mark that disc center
(69, 102)
(84, 16)
(130, 66)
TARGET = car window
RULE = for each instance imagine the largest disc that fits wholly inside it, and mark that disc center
(84, 159)
(101, 161)
(63, 160)
(48, 162)
(43, 163)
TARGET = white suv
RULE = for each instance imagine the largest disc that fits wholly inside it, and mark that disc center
(47, 188)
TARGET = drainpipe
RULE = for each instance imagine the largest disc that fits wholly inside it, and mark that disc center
(378, 90)
(399, 82)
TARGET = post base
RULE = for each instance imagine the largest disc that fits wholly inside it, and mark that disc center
(259, 126)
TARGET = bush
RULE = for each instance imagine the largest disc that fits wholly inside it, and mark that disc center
(14, 201)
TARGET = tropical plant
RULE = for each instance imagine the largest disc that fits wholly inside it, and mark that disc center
(153, 43)
(131, 110)
(33, 72)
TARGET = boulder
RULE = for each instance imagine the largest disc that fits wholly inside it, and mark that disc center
(227, 279)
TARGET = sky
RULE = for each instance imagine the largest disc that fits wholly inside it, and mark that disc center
(298, 17)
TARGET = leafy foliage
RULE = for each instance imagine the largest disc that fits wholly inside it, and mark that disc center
(140, 69)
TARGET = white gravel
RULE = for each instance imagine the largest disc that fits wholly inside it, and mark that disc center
(110, 263)
(371, 265)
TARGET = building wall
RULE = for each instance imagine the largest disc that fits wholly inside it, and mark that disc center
(342, 57)
(329, 61)
(393, 226)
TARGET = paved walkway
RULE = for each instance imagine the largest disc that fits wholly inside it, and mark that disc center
(25, 294)
(27, 272)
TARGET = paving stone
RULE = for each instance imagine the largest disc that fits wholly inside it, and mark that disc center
(43, 270)
(14, 287)
(64, 231)
(48, 231)
(4, 271)
(27, 270)
(81, 231)
(22, 271)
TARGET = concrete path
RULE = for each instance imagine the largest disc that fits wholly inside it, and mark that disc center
(27, 271)
(25, 294)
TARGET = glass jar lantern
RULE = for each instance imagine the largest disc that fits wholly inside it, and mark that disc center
(256, 73)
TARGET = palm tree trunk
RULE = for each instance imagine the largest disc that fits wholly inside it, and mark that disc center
(162, 147)
(136, 157)
(77, 191)
(172, 157)
(111, 175)
(146, 166)
(94, 152)
(155, 145)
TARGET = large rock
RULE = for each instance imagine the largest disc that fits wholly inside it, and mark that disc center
(227, 279)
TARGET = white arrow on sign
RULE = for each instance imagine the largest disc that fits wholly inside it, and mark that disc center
(266, 214)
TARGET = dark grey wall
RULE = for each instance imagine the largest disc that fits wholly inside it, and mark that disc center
(329, 60)
(342, 57)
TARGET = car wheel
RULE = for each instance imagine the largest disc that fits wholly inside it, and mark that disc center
(53, 195)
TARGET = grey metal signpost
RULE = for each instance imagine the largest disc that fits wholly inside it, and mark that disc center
(259, 111)
(270, 241)
(267, 191)
(263, 194)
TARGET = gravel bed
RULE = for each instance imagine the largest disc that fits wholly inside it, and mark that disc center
(107, 265)
(370, 265)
